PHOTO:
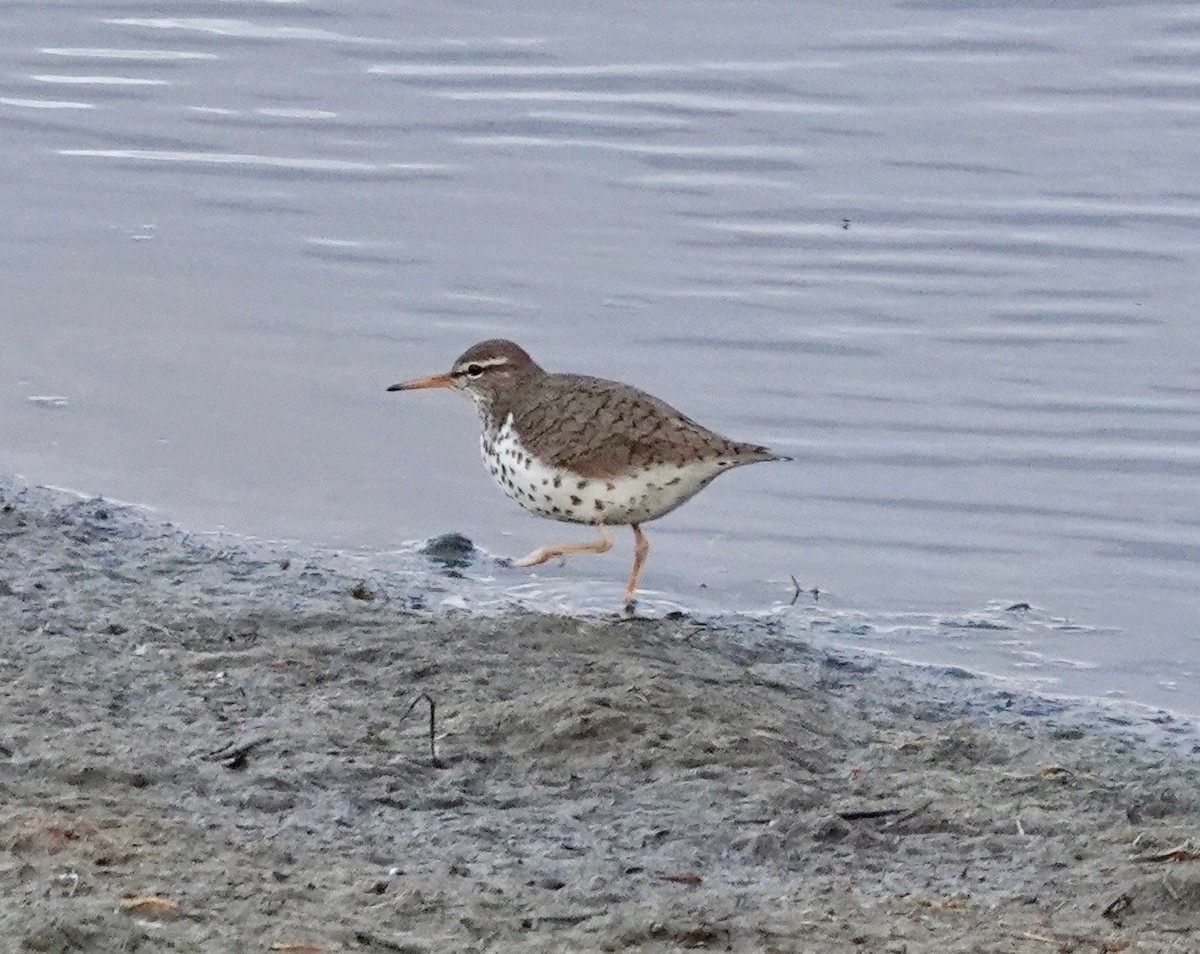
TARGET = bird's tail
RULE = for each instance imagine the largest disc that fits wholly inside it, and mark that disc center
(753, 453)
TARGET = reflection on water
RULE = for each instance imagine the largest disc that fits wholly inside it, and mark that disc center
(944, 255)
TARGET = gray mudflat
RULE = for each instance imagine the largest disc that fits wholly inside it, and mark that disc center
(607, 785)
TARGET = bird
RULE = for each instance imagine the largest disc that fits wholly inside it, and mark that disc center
(582, 449)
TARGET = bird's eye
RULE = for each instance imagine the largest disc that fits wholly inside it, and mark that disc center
(474, 370)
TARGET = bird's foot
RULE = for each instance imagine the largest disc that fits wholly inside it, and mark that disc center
(534, 559)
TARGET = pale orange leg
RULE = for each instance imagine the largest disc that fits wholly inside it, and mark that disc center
(640, 548)
(542, 554)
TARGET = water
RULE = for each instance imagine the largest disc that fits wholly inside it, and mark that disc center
(945, 254)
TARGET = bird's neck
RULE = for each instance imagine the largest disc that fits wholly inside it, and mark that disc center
(494, 407)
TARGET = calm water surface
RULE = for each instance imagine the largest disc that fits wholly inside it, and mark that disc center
(944, 253)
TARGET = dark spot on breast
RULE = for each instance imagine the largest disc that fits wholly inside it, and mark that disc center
(555, 510)
(528, 462)
(599, 504)
(557, 481)
(582, 484)
(673, 481)
(610, 486)
(576, 500)
(545, 480)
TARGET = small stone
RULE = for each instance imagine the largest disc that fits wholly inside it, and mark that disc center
(451, 550)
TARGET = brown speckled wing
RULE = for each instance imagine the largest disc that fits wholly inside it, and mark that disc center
(600, 428)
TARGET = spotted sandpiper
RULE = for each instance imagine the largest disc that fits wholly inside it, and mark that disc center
(585, 450)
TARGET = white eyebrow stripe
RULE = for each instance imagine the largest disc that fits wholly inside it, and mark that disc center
(485, 363)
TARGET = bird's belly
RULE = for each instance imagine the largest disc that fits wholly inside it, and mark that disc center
(562, 494)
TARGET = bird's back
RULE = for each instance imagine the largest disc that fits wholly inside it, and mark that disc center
(604, 428)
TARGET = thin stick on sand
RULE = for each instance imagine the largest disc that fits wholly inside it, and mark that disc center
(437, 763)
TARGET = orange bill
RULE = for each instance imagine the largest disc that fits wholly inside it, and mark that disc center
(432, 381)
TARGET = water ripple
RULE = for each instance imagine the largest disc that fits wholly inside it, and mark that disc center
(240, 29)
(394, 170)
(698, 103)
(129, 56)
(44, 103)
(98, 80)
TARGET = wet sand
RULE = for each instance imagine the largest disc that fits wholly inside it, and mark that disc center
(207, 747)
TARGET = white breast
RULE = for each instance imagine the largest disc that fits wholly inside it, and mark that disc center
(563, 495)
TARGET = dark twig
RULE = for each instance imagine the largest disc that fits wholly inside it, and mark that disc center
(1184, 852)
(234, 756)
(910, 814)
(871, 813)
(433, 757)
(1118, 907)
(814, 592)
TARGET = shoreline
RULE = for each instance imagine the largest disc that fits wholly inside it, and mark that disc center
(434, 576)
(205, 748)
